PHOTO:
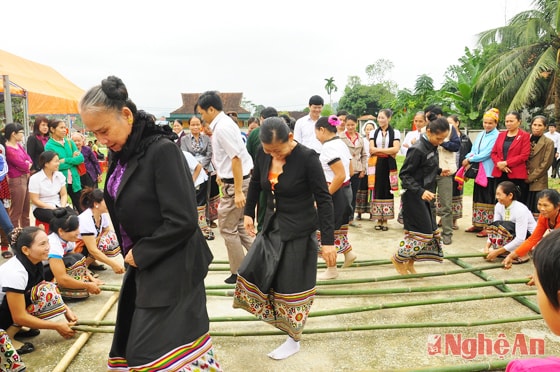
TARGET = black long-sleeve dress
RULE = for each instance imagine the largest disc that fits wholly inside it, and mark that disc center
(276, 280)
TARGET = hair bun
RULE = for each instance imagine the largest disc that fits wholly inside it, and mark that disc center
(14, 235)
(114, 88)
(60, 212)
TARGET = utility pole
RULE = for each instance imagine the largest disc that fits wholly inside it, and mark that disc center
(7, 99)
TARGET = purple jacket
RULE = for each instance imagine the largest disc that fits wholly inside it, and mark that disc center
(92, 165)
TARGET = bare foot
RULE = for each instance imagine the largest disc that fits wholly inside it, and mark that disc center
(399, 266)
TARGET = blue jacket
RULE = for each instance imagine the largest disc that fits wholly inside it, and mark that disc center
(481, 150)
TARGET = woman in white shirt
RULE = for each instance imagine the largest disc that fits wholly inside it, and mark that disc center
(335, 159)
(65, 266)
(97, 240)
(513, 223)
(47, 188)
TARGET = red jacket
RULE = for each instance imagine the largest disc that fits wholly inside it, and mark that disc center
(517, 155)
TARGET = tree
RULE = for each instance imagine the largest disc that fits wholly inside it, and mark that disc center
(527, 73)
(365, 99)
(376, 72)
(330, 87)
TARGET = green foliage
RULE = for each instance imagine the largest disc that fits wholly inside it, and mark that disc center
(527, 73)
(18, 114)
(365, 99)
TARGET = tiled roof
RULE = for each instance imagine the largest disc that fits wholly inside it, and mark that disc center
(231, 101)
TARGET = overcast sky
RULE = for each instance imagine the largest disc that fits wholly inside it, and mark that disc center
(276, 53)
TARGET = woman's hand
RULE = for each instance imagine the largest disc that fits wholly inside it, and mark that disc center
(117, 268)
(492, 255)
(64, 329)
(328, 252)
(92, 288)
(428, 196)
(509, 260)
(70, 316)
(465, 163)
(129, 259)
(249, 225)
(361, 174)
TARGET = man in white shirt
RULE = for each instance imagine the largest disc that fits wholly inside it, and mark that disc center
(555, 137)
(304, 130)
(233, 166)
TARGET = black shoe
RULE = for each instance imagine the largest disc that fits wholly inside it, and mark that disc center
(25, 334)
(99, 267)
(232, 279)
(26, 348)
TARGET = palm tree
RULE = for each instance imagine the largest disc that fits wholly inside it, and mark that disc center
(527, 73)
(330, 87)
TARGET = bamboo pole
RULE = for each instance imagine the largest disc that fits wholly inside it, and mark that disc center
(385, 278)
(376, 327)
(504, 288)
(367, 327)
(394, 290)
(364, 262)
(84, 337)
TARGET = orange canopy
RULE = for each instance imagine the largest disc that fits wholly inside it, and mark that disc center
(48, 92)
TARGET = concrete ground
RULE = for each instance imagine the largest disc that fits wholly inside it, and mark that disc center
(353, 350)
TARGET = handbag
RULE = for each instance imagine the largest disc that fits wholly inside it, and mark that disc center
(81, 169)
(472, 170)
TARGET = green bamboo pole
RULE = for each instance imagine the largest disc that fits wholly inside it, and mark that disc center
(385, 278)
(351, 310)
(437, 288)
(462, 255)
(367, 327)
(96, 323)
(391, 305)
(110, 287)
(376, 327)
(491, 365)
(394, 290)
(504, 288)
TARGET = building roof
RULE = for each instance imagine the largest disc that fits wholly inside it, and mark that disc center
(231, 101)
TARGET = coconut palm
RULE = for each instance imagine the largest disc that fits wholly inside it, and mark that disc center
(330, 87)
(527, 73)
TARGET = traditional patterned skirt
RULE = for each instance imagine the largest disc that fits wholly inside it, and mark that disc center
(500, 233)
(195, 356)
(383, 200)
(484, 200)
(46, 301)
(362, 201)
(203, 223)
(10, 360)
(109, 244)
(341, 242)
(75, 264)
(276, 280)
(420, 247)
(456, 206)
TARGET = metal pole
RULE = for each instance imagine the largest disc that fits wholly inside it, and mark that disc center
(7, 99)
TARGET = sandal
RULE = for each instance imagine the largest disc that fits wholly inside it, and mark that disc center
(7, 254)
(378, 227)
(26, 348)
(212, 225)
(474, 229)
(209, 235)
(455, 227)
(520, 260)
(384, 228)
(92, 274)
(354, 224)
(482, 234)
(32, 332)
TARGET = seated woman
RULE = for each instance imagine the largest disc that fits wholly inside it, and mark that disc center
(513, 223)
(65, 266)
(26, 298)
(549, 206)
(97, 240)
(47, 187)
